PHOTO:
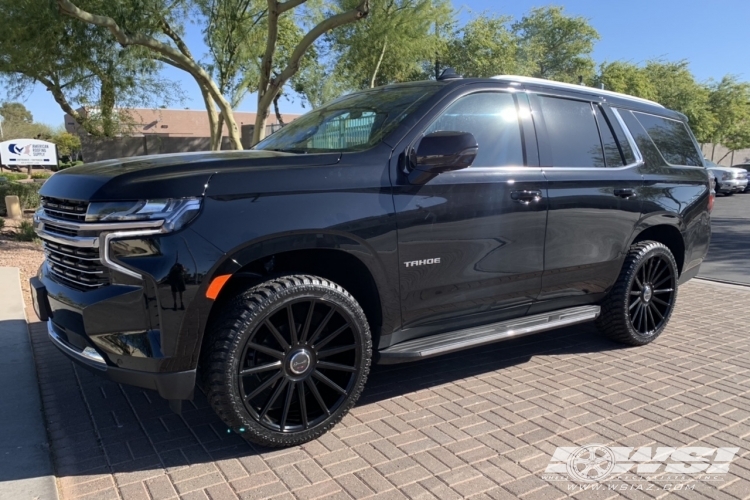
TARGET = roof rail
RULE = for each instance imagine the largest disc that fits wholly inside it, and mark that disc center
(570, 86)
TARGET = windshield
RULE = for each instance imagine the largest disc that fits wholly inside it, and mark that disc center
(354, 122)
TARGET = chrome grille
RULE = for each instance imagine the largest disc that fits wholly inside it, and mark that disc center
(65, 209)
(76, 267)
(54, 228)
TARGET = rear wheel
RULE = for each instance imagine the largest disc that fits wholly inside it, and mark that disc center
(640, 304)
(288, 359)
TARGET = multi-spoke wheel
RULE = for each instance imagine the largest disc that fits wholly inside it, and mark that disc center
(640, 304)
(289, 358)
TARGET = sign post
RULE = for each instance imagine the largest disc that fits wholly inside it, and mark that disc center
(28, 152)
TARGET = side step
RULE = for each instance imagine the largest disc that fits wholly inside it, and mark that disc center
(444, 343)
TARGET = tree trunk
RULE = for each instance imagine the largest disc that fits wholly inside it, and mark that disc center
(213, 120)
(380, 61)
(107, 106)
(178, 57)
(279, 118)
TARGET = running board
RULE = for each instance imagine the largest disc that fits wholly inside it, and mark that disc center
(444, 343)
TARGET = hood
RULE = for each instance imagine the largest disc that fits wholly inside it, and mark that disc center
(166, 176)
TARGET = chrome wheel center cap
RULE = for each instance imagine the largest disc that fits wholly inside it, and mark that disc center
(648, 292)
(299, 363)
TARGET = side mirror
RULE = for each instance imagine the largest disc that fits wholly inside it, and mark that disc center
(441, 152)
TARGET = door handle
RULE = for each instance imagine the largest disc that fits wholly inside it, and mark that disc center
(625, 193)
(526, 196)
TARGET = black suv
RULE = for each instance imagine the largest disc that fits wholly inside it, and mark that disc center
(390, 225)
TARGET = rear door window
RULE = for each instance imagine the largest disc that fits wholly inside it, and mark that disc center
(573, 133)
(672, 139)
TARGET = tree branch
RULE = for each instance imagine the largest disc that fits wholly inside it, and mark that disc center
(289, 4)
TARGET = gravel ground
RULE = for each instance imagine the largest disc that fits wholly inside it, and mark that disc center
(27, 256)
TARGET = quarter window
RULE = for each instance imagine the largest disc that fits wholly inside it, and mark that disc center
(672, 139)
(492, 117)
(573, 133)
(612, 155)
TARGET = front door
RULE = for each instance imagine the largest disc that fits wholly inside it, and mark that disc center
(594, 183)
(471, 242)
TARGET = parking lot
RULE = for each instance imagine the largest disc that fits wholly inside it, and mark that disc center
(483, 423)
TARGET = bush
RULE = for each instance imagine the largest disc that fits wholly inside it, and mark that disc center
(11, 176)
(2, 223)
(64, 165)
(41, 175)
(25, 231)
(27, 192)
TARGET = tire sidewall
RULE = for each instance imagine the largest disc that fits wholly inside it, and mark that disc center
(656, 249)
(242, 421)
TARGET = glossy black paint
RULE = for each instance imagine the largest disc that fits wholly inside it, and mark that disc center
(511, 240)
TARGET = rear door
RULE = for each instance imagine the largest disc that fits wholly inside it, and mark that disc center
(594, 180)
(471, 242)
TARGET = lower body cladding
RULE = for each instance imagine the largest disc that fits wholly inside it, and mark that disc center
(141, 332)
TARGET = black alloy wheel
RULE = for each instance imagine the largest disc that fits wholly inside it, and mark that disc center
(652, 295)
(639, 305)
(289, 358)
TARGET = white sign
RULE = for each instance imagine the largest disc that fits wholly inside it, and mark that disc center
(27, 152)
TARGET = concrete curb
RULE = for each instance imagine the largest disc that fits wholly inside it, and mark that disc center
(722, 283)
(26, 470)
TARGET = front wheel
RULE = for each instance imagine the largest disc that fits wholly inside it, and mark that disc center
(287, 360)
(639, 306)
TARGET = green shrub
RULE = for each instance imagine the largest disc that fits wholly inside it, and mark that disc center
(25, 231)
(63, 166)
(13, 176)
(2, 223)
(27, 192)
(41, 175)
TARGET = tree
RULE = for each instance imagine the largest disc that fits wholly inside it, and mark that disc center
(15, 112)
(555, 46)
(270, 85)
(492, 45)
(67, 143)
(729, 103)
(392, 43)
(676, 88)
(626, 78)
(76, 63)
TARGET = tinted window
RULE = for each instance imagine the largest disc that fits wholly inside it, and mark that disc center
(493, 119)
(573, 134)
(612, 155)
(642, 141)
(354, 122)
(672, 139)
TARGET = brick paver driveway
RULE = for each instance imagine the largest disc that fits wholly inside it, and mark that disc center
(482, 423)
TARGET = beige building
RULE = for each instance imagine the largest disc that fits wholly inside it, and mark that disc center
(190, 123)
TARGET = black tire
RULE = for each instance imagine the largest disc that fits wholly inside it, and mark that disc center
(296, 382)
(639, 306)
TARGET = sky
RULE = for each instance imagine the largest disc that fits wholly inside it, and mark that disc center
(713, 36)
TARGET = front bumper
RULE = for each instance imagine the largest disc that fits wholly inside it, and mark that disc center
(144, 331)
(732, 185)
(174, 386)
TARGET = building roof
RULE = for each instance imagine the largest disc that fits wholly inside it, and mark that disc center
(175, 122)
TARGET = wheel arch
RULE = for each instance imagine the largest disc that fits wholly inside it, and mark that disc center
(341, 258)
(667, 234)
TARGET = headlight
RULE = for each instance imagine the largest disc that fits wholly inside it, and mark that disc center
(175, 212)
(726, 176)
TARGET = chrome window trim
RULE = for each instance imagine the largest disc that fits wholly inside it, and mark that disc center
(628, 136)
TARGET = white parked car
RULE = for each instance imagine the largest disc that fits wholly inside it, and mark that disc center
(728, 180)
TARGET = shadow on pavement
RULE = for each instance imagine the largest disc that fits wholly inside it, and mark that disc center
(96, 426)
